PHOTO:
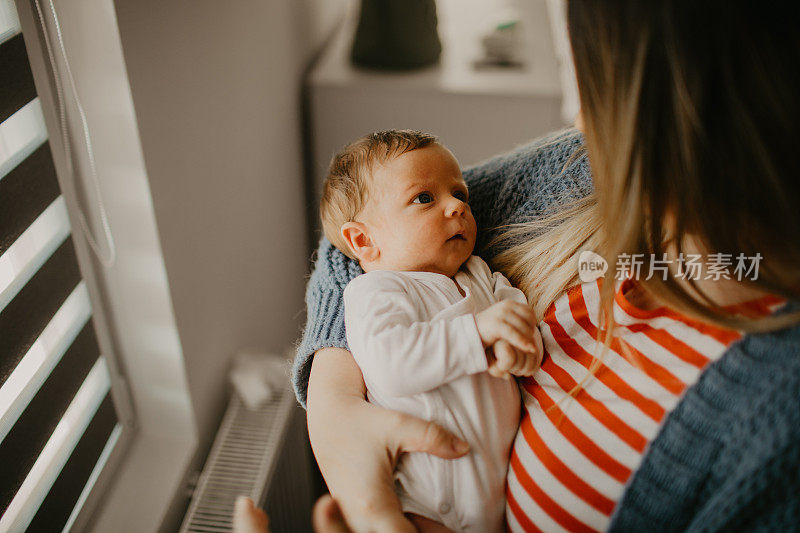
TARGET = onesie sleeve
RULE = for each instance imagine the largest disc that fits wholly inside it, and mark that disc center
(399, 354)
(500, 287)
(503, 290)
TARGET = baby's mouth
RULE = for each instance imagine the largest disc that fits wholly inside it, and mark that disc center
(457, 236)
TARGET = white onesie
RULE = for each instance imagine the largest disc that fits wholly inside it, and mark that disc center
(414, 337)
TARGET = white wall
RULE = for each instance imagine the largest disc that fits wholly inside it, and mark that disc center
(215, 87)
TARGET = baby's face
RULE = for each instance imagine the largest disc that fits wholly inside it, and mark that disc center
(417, 212)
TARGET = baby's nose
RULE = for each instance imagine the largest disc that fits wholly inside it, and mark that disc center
(456, 207)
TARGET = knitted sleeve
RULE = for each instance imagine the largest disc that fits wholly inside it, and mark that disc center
(325, 313)
(727, 458)
(528, 181)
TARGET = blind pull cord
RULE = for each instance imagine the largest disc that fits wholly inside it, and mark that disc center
(106, 259)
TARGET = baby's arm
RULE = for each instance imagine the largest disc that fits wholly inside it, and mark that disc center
(508, 357)
(508, 329)
(398, 353)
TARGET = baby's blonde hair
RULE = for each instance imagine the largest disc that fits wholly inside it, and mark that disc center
(346, 188)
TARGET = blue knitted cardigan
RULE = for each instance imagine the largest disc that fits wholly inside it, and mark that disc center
(727, 458)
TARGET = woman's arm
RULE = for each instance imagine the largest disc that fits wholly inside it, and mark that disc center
(357, 444)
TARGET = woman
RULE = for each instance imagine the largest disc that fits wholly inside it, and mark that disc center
(684, 408)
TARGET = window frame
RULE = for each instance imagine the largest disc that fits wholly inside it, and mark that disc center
(151, 453)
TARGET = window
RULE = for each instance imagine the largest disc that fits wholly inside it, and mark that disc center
(59, 424)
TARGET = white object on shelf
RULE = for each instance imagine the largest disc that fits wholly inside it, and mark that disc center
(503, 43)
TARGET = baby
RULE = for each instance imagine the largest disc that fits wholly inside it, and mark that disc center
(429, 324)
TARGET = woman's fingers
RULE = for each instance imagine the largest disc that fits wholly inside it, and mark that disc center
(416, 435)
(358, 466)
(327, 516)
(247, 518)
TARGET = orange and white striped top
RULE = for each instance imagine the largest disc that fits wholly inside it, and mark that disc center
(572, 456)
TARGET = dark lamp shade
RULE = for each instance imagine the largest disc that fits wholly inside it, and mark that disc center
(396, 35)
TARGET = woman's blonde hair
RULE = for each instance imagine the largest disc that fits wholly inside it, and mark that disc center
(691, 115)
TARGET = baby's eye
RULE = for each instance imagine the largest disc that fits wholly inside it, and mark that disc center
(423, 198)
(461, 195)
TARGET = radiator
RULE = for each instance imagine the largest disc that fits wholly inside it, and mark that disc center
(260, 453)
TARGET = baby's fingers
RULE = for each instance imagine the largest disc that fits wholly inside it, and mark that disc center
(494, 371)
(521, 359)
(505, 355)
(519, 323)
(525, 313)
(531, 363)
(517, 337)
(533, 360)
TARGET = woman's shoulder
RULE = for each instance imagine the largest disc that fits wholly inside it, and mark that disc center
(332, 268)
(769, 363)
(773, 351)
(763, 371)
(734, 436)
(753, 391)
(532, 178)
(759, 456)
(530, 181)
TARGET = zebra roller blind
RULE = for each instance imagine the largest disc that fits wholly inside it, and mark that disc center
(58, 423)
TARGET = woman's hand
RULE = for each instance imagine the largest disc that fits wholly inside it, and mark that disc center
(326, 517)
(357, 444)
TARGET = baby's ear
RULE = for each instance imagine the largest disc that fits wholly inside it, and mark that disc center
(357, 237)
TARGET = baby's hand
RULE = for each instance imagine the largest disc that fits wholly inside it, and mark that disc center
(509, 321)
(504, 359)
